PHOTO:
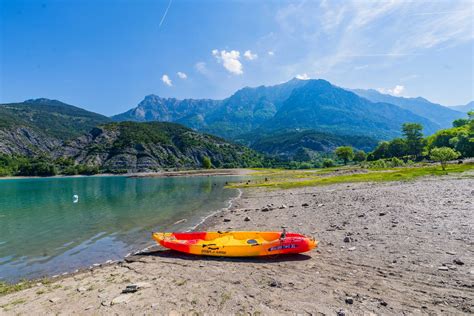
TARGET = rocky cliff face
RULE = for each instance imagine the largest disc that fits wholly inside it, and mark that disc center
(25, 141)
(141, 147)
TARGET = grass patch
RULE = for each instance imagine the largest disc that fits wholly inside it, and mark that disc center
(13, 303)
(7, 288)
(285, 179)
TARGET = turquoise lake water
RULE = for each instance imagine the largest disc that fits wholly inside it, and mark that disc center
(43, 232)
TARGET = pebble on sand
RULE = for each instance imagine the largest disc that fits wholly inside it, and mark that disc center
(123, 298)
(458, 262)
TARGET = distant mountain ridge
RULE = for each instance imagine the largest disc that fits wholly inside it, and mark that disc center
(321, 106)
(155, 108)
(296, 104)
(464, 108)
(437, 113)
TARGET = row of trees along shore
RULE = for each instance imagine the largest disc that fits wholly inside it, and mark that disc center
(444, 145)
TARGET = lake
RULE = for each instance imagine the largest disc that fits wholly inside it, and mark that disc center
(44, 232)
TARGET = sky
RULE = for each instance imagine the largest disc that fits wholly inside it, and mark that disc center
(107, 55)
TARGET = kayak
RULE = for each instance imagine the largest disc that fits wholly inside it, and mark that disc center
(235, 243)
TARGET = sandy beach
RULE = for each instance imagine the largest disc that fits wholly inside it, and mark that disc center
(385, 248)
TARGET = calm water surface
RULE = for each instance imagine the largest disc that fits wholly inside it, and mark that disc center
(42, 232)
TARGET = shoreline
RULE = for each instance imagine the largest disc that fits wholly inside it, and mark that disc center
(390, 264)
(160, 174)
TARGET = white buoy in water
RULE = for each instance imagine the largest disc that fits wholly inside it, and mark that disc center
(75, 198)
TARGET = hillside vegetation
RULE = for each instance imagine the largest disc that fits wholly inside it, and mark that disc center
(288, 143)
(132, 146)
(49, 117)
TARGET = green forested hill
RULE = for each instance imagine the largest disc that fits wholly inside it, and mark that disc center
(49, 117)
(288, 142)
(151, 146)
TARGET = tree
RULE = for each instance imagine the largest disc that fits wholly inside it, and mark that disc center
(206, 162)
(327, 163)
(360, 156)
(380, 152)
(413, 138)
(302, 154)
(345, 153)
(443, 154)
(460, 122)
(397, 148)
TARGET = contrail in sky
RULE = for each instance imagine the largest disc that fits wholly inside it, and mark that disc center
(164, 15)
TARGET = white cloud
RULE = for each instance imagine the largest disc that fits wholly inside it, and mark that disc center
(396, 91)
(201, 67)
(249, 55)
(271, 53)
(230, 60)
(166, 80)
(303, 77)
(336, 33)
(182, 75)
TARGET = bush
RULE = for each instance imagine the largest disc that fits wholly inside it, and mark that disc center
(327, 163)
(395, 162)
(206, 162)
(443, 155)
(360, 156)
(378, 164)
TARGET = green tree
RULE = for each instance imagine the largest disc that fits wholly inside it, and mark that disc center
(346, 153)
(380, 152)
(413, 138)
(327, 163)
(443, 154)
(360, 156)
(470, 116)
(302, 155)
(397, 148)
(206, 162)
(460, 122)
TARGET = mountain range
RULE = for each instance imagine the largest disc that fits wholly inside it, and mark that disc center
(464, 108)
(437, 113)
(252, 114)
(312, 115)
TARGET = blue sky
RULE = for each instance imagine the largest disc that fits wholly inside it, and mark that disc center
(106, 55)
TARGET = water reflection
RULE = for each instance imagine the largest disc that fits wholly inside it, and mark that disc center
(43, 232)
